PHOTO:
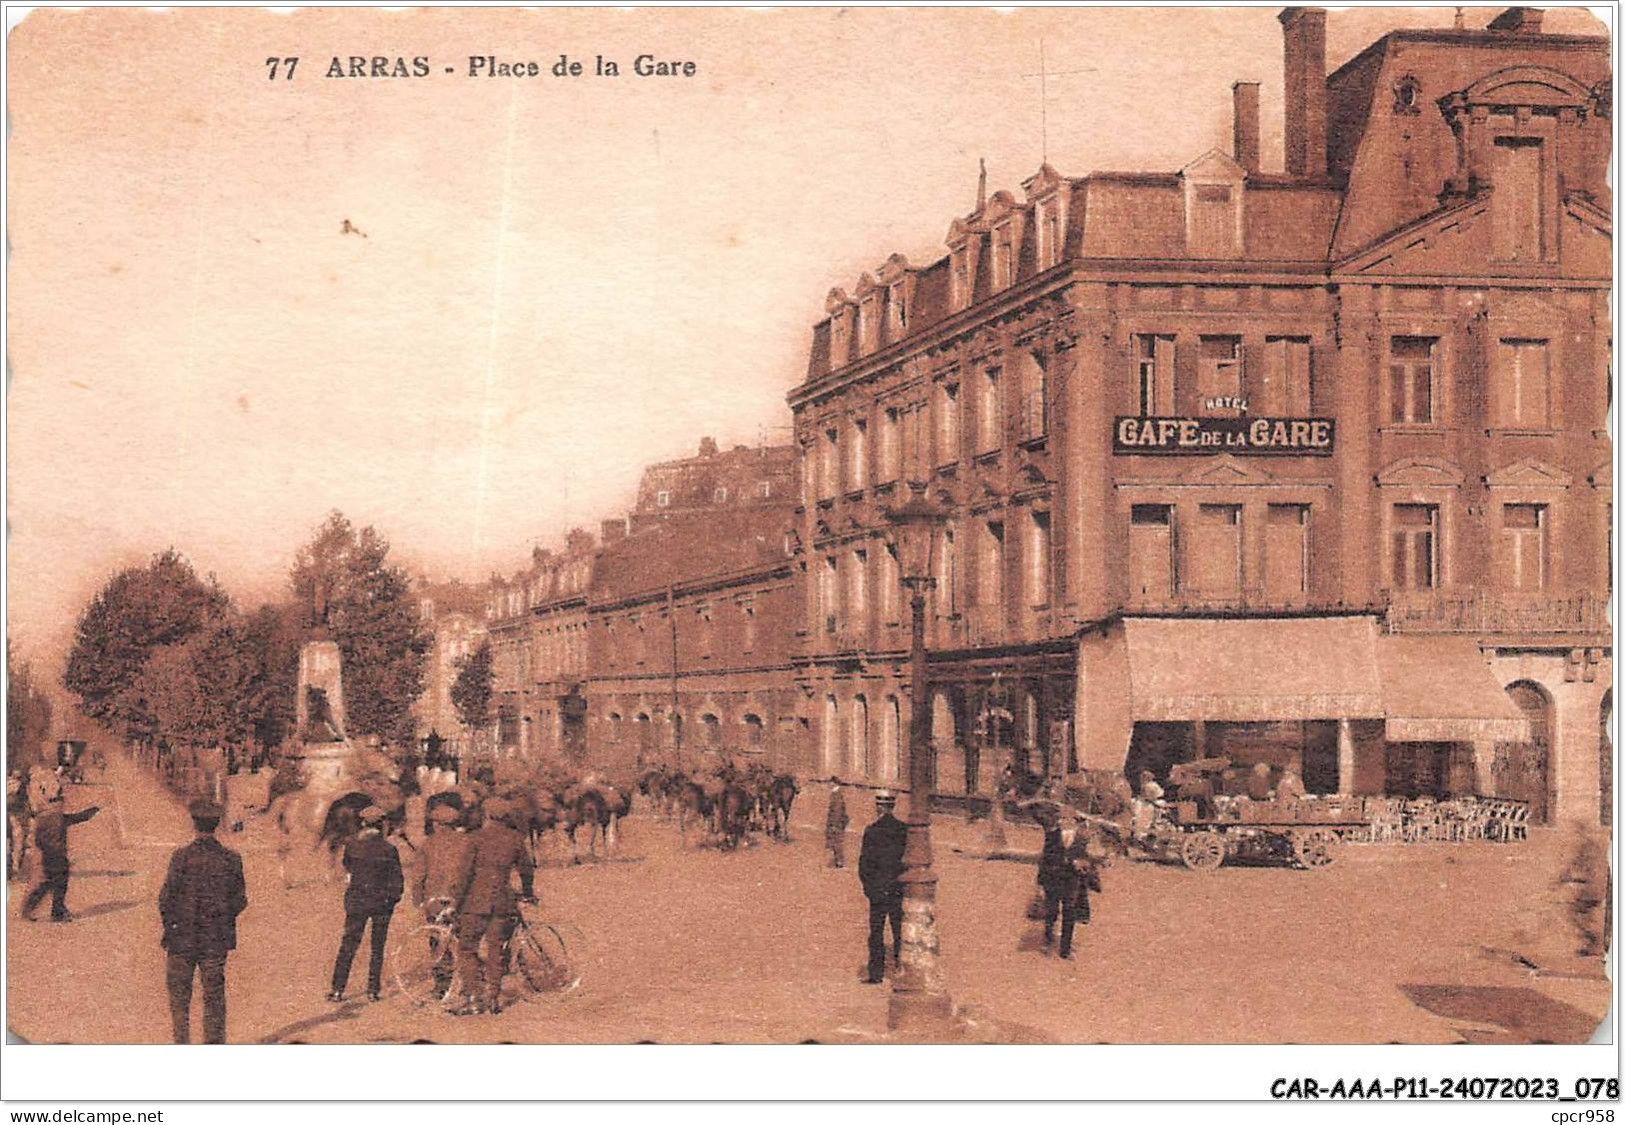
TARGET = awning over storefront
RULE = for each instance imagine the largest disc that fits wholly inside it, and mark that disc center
(1253, 670)
(1440, 689)
(1221, 670)
(1424, 688)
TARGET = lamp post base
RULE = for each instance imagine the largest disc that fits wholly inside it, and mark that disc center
(920, 1005)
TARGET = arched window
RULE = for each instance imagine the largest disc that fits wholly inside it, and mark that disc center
(860, 737)
(831, 749)
(753, 732)
(1522, 771)
(711, 731)
(891, 739)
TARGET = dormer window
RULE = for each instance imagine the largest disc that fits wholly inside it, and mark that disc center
(959, 263)
(896, 312)
(1050, 241)
(869, 323)
(1004, 256)
(840, 342)
(1213, 207)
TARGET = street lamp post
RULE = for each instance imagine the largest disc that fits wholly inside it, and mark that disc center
(919, 1001)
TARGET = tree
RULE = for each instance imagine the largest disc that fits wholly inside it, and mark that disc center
(140, 610)
(272, 638)
(28, 713)
(346, 591)
(471, 690)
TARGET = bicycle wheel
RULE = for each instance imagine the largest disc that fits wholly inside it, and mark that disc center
(548, 958)
(424, 964)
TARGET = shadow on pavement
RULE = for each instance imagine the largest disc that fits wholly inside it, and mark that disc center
(1525, 1015)
(107, 908)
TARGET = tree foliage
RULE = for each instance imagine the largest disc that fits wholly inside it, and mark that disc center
(471, 690)
(346, 590)
(28, 713)
(161, 655)
(141, 609)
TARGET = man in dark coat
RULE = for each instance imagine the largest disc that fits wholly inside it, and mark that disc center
(435, 888)
(202, 895)
(1067, 875)
(51, 837)
(375, 887)
(486, 907)
(835, 822)
(880, 868)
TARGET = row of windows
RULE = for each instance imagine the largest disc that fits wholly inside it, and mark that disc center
(1201, 553)
(1206, 558)
(719, 495)
(972, 561)
(640, 639)
(1276, 379)
(1280, 380)
(1004, 405)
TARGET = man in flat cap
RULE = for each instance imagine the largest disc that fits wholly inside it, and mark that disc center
(51, 837)
(202, 895)
(486, 907)
(376, 883)
(880, 868)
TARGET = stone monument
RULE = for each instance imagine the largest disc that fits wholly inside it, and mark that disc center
(324, 749)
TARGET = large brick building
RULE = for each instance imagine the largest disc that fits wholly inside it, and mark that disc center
(1305, 467)
(668, 636)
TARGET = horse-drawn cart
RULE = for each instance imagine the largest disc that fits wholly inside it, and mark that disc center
(1270, 831)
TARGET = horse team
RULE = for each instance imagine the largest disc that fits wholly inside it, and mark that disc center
(725, 800)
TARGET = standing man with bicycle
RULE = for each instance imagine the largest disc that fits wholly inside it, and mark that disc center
(486, 907)
(438, 885)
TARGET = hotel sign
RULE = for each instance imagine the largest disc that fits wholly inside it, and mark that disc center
(1263, 437)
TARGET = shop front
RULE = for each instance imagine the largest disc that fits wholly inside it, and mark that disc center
(1345, 707)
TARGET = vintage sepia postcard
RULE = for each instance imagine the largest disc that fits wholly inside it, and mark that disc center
(843, 526)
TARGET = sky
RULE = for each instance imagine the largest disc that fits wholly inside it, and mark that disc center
(467, 311)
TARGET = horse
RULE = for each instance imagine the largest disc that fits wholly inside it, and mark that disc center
(692, 800)
(781, 794)
(598, 806)
(733, 809)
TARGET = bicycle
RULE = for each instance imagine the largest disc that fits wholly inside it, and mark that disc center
(426, 965)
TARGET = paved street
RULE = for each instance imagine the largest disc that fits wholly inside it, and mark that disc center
(1415, 944)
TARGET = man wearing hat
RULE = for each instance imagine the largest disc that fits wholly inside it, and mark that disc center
(485, 901)
(202, 895)
(1067, 874)
(880, 869)
(375, 887)
(439, 866)
(51, 837)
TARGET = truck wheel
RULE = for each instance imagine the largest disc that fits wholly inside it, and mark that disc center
(1202, 851)
(1315, 848)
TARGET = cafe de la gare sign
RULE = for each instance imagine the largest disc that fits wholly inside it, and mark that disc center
(1279, 437)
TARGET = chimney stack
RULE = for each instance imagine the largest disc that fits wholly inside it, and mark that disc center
(1303, 33)
(1518, 21)
(1246, 125)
